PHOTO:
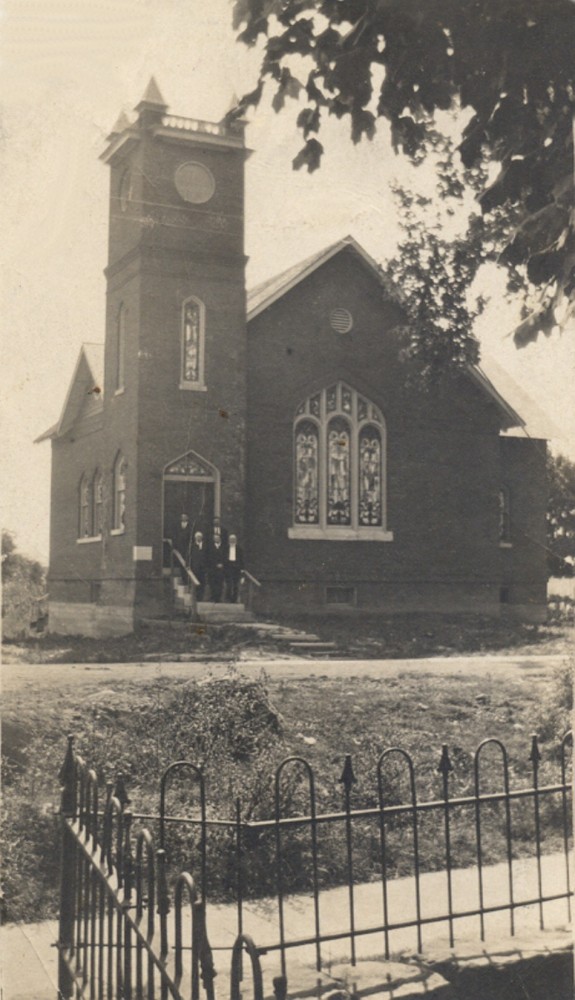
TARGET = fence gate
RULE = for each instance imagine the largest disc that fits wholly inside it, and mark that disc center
(123, 935)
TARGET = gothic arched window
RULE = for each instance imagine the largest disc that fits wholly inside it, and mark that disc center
(504, 499)
(98, 501)
(119, 479)
(85, 518)
(120, 348)
(306, 473)
(192, 347)
(339, 467)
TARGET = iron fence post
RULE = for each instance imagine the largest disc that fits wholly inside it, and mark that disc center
(535, 758)
(567, 740)
(445, 767)
(347, 780)
(68, 860)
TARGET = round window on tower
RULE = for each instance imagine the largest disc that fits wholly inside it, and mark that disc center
(340, 320)
(194, 183)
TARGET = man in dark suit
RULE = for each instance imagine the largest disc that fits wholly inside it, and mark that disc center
(199, 562)
(233, 568)
(217, 556)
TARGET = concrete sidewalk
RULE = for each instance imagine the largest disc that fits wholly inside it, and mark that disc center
(29, 958)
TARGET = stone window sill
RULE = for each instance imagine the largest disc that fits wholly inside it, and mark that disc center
(120, 391)
(194, 386)
(118, 531)
(505, 545)
(88, 539)
(333, 534)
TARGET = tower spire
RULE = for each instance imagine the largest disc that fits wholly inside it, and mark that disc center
(152, 106)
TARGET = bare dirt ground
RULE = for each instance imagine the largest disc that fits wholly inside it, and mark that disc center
(366, 637)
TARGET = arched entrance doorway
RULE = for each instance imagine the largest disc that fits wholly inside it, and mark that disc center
(191, 486)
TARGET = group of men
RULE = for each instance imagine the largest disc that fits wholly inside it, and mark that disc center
(215, 559)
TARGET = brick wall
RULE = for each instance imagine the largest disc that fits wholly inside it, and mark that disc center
(443, 458)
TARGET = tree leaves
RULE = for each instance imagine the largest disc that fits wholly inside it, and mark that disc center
(510, 61)
(309, 156)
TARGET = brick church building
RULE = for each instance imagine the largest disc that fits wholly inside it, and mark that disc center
(286, 413)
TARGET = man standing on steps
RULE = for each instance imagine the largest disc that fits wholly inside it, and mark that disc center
(233, 569)
(198, 563)
(182, 543)
(217, 557)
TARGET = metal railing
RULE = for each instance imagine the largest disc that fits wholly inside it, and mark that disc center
(248, 581)
(297, 849)
(251, 584)
(176, 557)
(116, 936)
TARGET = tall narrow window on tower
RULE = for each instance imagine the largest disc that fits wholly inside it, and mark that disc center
(120, 348)
(192, 351)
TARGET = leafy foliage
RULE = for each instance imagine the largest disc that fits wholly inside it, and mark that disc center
(507, 63)
(436, 272)
(23, 583)
(561, 515)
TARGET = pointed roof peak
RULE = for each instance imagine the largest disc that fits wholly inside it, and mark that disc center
(152, 95)
(122, 123)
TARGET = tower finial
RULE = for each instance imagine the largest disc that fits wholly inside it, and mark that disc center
(152, 96)
(152, 107)
(122, 123)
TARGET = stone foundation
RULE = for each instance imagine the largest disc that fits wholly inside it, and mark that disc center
(95, 621)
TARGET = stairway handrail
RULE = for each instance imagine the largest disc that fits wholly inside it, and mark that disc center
(190, 573)
(179, 556)
(252, 578)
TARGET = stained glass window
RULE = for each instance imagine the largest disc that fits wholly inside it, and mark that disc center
(315, 405)
(369, 479)
(192, 342)
(119, 493)
(504, 515)
(98, 499)
(306, 473)
(85, 527)
(338, 472)
(339, 475)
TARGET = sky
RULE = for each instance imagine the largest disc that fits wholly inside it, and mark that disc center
(66, 72)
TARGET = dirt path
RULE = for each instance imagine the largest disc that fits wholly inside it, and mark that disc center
(59, 677)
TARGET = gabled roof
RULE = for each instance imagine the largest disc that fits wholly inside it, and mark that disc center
(268, 292)
(87, 380)
(510, 417)
(533, 422)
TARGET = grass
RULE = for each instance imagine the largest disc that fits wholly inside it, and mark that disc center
(239, 731)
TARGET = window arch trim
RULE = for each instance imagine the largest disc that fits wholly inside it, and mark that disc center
(339, 401)
(197, 382)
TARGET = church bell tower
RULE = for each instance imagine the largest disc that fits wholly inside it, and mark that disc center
(175, 379)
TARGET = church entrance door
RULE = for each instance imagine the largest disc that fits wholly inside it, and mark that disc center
(190, 487)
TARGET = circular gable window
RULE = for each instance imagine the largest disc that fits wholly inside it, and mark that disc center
(194, 183)
(340, 320)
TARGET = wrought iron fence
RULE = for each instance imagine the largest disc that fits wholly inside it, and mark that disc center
(116, 886)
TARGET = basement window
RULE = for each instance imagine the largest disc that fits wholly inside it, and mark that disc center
(340, 595)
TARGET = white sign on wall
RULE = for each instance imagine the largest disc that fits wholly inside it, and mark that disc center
(142, 553)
